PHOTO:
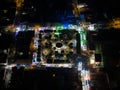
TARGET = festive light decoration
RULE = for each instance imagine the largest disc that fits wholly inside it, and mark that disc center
(53, 35)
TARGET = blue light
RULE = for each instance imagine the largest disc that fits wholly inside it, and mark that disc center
(65, 25)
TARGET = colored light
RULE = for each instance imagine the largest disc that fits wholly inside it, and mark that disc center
(59, 28)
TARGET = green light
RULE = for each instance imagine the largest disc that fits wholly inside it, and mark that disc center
(57, 33)
(59, 28)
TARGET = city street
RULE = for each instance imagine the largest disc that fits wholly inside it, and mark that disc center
(99, 80)
(59, 45)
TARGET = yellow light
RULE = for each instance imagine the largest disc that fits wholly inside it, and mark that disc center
(115, 23)
(32, 48)
(92, 59)
(11, 28)
(19, 3)
(36, 27)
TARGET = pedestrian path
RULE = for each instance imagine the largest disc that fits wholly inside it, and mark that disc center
(85, 78)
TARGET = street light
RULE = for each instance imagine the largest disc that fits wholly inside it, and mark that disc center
(78, 8)
(115, 23)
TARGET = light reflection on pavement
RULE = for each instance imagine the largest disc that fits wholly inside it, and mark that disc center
(85, 78)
